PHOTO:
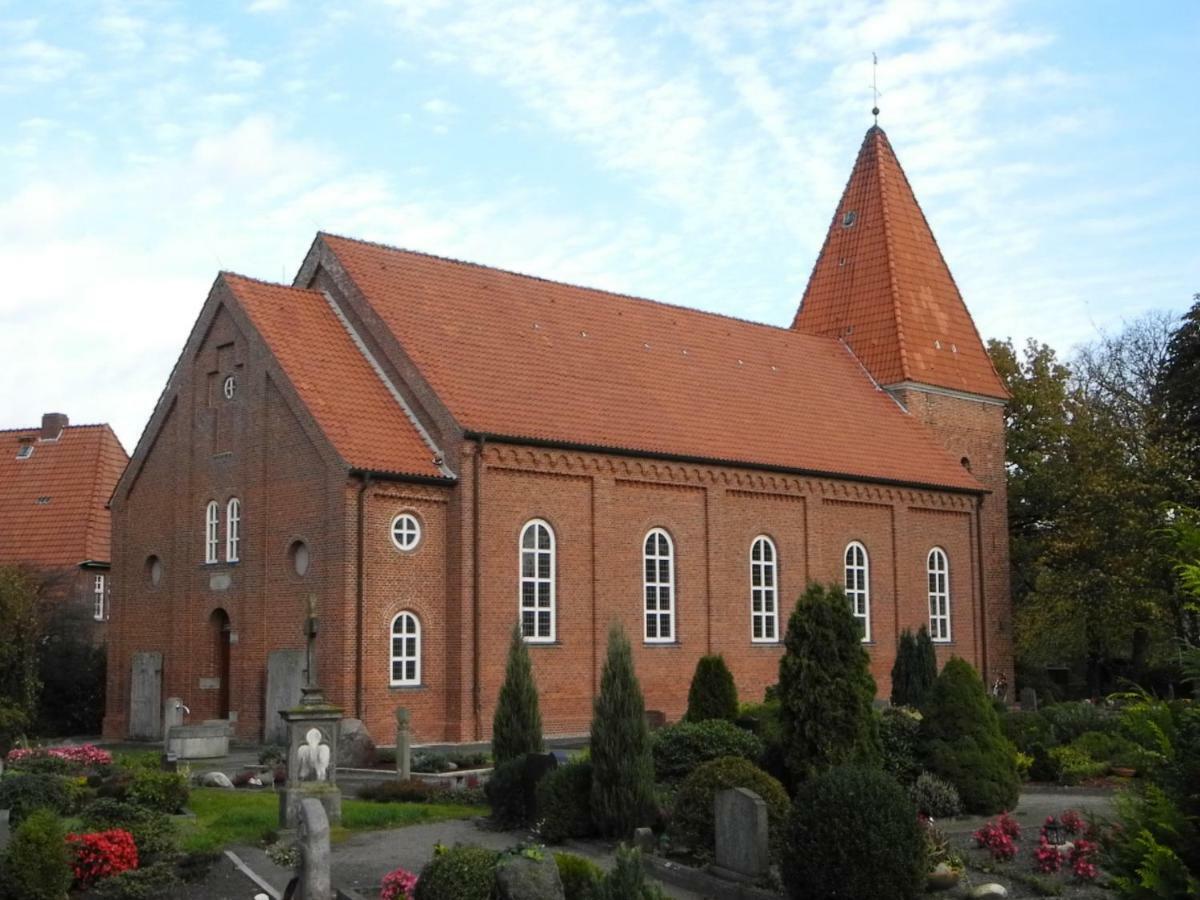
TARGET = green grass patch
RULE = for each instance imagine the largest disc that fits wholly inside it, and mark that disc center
(224, 817)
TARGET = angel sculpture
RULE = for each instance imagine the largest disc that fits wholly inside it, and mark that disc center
(313, 757)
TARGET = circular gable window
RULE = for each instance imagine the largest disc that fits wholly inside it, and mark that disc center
(298, 554)
(406, 531)
(154, 570)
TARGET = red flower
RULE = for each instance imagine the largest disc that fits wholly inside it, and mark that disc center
(102, 854)
(995, 839)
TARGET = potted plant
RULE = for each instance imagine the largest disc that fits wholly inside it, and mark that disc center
(944, 866)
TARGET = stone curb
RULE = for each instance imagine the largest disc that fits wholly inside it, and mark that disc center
(700, 882)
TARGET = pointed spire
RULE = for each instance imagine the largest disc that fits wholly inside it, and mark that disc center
(882, 286)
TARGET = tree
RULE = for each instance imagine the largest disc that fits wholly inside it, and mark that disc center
(1177, 391)
(72, 672)
(915, 669)
(713, 695)
(825, 687)
(622, 763)
(19, 628)
(517, 724)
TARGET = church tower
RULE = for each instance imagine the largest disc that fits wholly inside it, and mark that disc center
(882, 287)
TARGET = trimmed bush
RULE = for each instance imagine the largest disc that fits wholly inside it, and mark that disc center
(1070, 720)
(962, 742)
(1112, 748)
(692, 817)
(825, 687)
(713, 695)
(915, 669)
(153, 831)
(679, 748)
(622, 764)
(26, 792)
(517, 724)
(165, 791)
(38, 862)
(899, 738)
(1075, 766)
(1027, 729)
(763, 720)
(410, 791)
(459, 873)
(934, 797)
(147, 883)
(853, 832)
(579, 875)
(563, 802)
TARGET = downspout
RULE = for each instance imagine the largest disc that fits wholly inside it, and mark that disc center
(358, 592)
(983, 622)
(477, 578)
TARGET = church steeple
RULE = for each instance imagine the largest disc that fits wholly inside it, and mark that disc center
(882, 286)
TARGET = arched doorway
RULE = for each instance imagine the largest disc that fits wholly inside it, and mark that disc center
(219, 627)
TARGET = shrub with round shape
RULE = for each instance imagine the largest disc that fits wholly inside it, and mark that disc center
(713, 695)
(853, 832)
(579, 875)
(153, 831)
(38, 862)
(464, 872)
(935, 797)
(678, 749)
(899, 730)
(692, 821)
(564, 803)
(165, 791)
(23, 793)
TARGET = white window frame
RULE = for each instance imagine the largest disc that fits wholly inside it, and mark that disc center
(98, 598)
(404, 526)
(542, 586)
(404, 656)
(764, 591)
(937, 570)
(857, 580)
(212, 531)
(233, 529)
(658, 585)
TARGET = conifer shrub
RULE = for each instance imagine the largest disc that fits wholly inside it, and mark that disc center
(464, 872)
(627, 880)
(764, 722)
(693, 817)
(564, 802)
(915, 669)
(713, 695)
(825, 687)
(853, 832)
(962, 742)
(679, 748)
(579, 875)
(38, 861)
(899, 733)
(517, 724)
(622, 765)
(512, 789)
(1027, 729)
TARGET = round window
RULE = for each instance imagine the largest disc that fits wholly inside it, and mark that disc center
(298, 554)
(154, 570)
(406, 531)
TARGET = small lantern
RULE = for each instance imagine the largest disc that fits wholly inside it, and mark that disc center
(1054, 832)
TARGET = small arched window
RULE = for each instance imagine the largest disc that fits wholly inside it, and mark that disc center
(858, 585)
(233, 529)
(406, 649)
(212, 531)
(939, 595)
(537, 581)
(658, 556)
(764, 591)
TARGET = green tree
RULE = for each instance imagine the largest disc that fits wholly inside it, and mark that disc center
(1177, 391)
(825, 687)
(622, 763)
(915, 668)
(20, 630)
(517, 724)
(962, 741)
(713, 695)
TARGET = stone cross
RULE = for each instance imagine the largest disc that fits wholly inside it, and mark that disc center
(403, 744)
(313, 834)
(742, 836)
(310, 694)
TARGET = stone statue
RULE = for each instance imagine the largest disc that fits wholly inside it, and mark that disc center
(313, 757)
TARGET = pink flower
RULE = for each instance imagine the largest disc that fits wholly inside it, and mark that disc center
(398, 884)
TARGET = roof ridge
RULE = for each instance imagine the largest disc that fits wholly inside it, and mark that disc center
(579, 287)
(66, 428)
(226, 273)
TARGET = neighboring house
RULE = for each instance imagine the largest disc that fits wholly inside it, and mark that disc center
(435, 450)
(55, 482)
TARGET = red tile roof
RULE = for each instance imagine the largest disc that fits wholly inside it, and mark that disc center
(53, 505)
(881, 283)
(527, 358)
(349, 401)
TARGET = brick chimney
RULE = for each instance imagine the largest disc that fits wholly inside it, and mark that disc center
(53, 425)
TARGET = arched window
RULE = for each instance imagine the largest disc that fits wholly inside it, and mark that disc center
(233, 529)
(212, 531)
(764, 591)
(658, 556)
(537, 581)
(406, 649)
(939, 595)
(858, 585)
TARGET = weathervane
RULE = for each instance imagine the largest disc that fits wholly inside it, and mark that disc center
(875, 86)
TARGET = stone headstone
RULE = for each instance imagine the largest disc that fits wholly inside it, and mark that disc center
(1029, 702)
(403, 744)
(644, 840)
(989, 891)
(285, 677)
(521, 878)
(742, 836)
(356, 749)
(313, 837)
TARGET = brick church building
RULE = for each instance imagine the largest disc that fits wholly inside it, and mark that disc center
(434, 450)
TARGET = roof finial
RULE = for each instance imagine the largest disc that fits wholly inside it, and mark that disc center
(875, 87)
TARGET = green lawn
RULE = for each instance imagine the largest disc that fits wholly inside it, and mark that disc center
(226, 817)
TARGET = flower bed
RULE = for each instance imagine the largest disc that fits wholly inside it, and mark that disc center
(85, 756)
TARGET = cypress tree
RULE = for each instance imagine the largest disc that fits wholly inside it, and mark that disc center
(915, 669)
(622, 764)
(517, 724)
(713, 695)
(926, 669)
(825, 687)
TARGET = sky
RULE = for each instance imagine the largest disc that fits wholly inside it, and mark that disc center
(691, 152)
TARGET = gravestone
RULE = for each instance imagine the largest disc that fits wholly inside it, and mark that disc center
(356, 749)
(313, 837)
(145, 697)
(403, 745)
(742, 836)
(285, 678)
(1029, 701)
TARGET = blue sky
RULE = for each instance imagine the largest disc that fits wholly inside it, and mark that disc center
(690, 152)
